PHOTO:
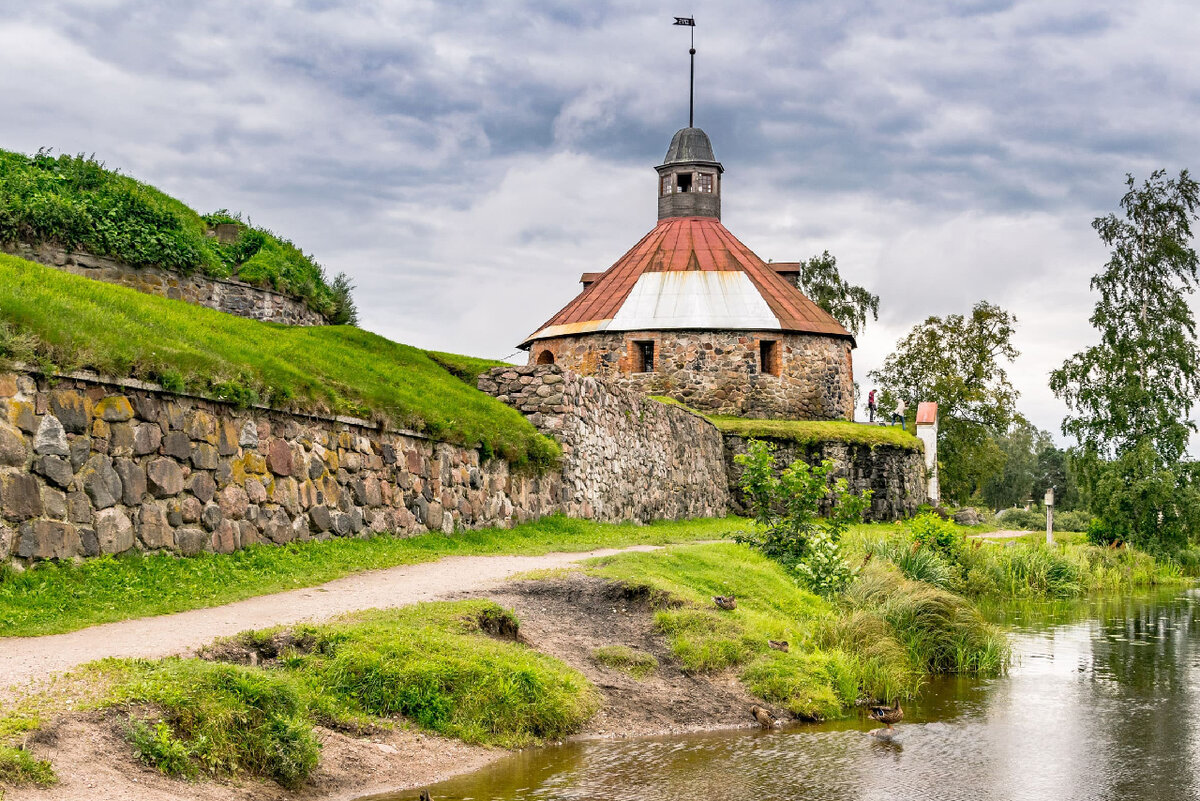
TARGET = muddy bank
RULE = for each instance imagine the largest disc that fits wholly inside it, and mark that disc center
(568, 618)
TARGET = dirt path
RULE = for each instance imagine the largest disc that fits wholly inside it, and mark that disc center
(1000, 535)
(27, 659)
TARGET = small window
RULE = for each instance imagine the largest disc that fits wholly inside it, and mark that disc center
(643, 357)
(668, 184)
(683, 182)
(768, 356)
(705, 184)
(545, 357)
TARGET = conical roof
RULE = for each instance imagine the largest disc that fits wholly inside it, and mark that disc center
(690, 273)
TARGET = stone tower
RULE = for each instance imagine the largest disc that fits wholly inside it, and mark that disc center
(692, 313)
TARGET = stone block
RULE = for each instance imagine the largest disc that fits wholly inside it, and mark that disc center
(81, 450)
(153, 529)
(233, 502)
(191, 541)
(147, 437)
(8, 387)
(54, 503)
(199, 425)
(114, 531)
(177, 445)
(73, 409)
(21, 414)
(248, 435)
(48, 539)
(50, 438)
(20, 496)
(114, 409)
(224, 538)
(164, 478)
(79, 508)
(202, 486)
(14, 452)
(133, 481)
(8, 539)
(255, 491)
(319, 518)
(211, 516)
(190, 510)
(227, 437)
(279, 457)
(279, 528)
(204, 456)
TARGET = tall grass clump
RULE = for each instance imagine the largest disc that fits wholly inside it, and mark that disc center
(19, 767)
(942, 632)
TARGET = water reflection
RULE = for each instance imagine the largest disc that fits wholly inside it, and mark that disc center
(1102, 703)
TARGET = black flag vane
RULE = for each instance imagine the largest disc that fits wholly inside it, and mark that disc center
(690, 22)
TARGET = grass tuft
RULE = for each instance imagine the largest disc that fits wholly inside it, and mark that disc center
(638, 664)
(19, 767)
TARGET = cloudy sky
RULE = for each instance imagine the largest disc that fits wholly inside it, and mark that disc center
(464, 163)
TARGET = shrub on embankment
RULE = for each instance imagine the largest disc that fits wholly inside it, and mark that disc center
(75, 202)
(60, 322)
(452, 668)
(878, 643)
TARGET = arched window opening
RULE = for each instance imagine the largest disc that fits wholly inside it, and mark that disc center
(545, 357)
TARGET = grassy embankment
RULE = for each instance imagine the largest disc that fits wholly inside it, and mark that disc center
(451, 668)
(75, 202)
(807, 432)
(63, 322)
(50, 598)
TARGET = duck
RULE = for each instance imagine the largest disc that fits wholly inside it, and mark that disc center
(763, 716)
(425, 796)
(887, 715)
(726, 602)
(778, 645)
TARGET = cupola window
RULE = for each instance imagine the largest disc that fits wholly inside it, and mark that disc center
(684, 182)
(768, 357)
(705, 183)
(668, 185)
(643, 357)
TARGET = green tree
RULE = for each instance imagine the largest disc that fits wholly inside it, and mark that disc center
(1015, 481)
(1130, 396)
(958, 362)
(820, 280)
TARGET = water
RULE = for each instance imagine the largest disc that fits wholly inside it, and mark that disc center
(1102, 702)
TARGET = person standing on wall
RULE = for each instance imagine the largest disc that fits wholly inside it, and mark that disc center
(871, 406)
(898, 412)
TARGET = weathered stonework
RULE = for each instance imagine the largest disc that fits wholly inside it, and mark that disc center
(232, 297)
(896, 475)
(626, 457)
(719, 371)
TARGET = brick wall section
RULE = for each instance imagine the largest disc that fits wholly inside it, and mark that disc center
(90, 466)
(896, 475)
(718, 371)
(627, 457)
(232, 297)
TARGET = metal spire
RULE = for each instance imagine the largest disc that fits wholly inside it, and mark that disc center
(690, 22)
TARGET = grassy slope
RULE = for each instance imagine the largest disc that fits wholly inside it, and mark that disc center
(468, 368)
(76, 202)
(51, 598)
(808, 432)
(432, 664)
(70, 322)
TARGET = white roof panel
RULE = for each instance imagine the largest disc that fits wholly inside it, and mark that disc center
(694, 299)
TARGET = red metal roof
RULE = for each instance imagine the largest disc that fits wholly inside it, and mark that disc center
(926, 413)
(692, 243)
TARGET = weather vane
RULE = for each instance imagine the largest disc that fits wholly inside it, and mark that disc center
(690, 22)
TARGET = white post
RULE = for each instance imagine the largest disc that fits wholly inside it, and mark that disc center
(927, 432)
(1050, 516)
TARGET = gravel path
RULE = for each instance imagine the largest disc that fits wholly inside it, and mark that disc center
(27, 659)
(1000, 535)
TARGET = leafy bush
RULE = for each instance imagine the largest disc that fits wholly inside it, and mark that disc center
(1035, 520)
(932, 531)
(76, 202)
(786, 509)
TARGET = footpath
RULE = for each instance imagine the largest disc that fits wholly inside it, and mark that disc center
(27, 659)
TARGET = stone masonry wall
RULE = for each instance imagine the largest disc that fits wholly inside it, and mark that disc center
(896, 475)
(719, 372)
(89, 467)
(232, 297)
(626, 457)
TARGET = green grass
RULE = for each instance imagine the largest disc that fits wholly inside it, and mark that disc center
(19, 767)
(445, 667)
(467, 368)
(807, 432)
(50, 598)
(638, 664)
(64, 322)
(78, 203)
(874, 647)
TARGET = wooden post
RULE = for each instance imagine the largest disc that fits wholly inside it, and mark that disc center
(1050, 516)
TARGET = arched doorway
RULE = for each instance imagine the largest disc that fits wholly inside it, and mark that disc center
(545, 357)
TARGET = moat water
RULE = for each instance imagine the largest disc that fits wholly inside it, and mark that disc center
(1102, 702)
